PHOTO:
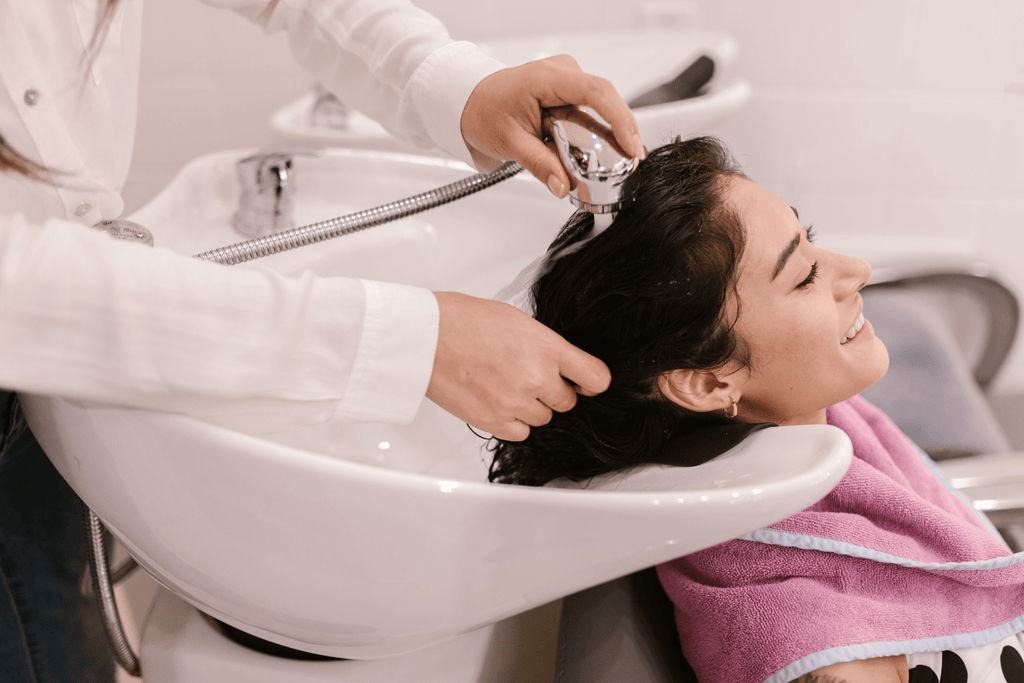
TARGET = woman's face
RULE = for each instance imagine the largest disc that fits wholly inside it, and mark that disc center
(798, 306)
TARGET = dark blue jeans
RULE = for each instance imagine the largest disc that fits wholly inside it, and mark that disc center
(49, 632)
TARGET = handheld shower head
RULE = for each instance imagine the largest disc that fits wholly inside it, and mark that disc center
(597, 168)
(596, 164)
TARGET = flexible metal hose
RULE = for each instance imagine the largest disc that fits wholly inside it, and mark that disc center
(345, 225)
(103, 588)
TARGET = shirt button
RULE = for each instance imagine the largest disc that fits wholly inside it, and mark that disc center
(82, 210)
(31, 97)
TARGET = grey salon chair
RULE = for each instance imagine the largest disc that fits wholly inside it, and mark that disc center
(948, 331)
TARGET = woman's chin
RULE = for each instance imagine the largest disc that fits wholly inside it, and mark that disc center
(881, 361)
(872, 359)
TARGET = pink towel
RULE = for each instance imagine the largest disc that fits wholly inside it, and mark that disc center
(891, 561)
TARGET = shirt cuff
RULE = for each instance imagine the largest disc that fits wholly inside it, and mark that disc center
(441, 87)
(396, 355)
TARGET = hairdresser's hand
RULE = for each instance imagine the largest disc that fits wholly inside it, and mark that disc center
(502, 371)
(502, 119)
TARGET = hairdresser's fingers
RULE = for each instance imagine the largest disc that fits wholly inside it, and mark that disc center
(535, 414)
(496, 367)
(502, 118)
(559, 396)
(582, 89)
(516, 430)
(541, 161)
(590, 375)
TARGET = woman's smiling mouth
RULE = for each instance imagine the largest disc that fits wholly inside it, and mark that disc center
(857, 325)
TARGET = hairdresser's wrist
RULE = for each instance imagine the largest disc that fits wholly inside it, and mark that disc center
(392, 363)
(440, 90)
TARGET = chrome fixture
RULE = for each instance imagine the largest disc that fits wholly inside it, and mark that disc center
(268, 187)
(126, 231)
(328, 111)
(103, 588)
(266, 245)
(596, 164)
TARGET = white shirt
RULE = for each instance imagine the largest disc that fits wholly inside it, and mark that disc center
(84, 316)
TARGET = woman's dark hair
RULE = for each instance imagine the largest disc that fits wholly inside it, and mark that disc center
(647, 295)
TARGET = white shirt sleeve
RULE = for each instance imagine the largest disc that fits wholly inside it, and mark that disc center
(83, 316)
(386, 58)
(88, 317)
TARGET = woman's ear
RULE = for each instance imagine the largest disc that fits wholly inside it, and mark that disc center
(701, 391)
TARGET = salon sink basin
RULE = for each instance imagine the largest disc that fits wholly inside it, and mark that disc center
(634, 60)
(371, 540)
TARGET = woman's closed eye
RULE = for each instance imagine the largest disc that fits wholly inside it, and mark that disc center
(811, 277)
(810, 233)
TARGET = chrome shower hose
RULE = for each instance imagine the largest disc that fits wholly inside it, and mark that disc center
(345, 225)
(102, 586)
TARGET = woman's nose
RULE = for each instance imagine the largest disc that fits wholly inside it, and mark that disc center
(851, 276)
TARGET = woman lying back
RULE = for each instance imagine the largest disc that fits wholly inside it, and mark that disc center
(717, 315)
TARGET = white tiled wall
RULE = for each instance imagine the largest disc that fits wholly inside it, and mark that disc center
(887, 118)
(900, 118)
(209, 81)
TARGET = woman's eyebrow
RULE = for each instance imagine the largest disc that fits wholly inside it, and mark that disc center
(788, 251)
(784, 256)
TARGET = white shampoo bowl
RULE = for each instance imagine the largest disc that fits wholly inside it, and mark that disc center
(635, 61)
(371, 540)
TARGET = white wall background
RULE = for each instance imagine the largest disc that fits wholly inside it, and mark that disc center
(875, 117)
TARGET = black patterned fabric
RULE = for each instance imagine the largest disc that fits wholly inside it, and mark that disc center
(974, 665)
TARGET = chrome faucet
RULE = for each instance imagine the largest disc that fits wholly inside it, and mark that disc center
(596, 164)
(328, 111)
(268, 188)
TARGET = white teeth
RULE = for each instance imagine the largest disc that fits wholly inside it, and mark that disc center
(857, 325)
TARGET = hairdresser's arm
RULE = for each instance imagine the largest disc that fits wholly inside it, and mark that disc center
(877, 670)
(398, 65)
(86, 317)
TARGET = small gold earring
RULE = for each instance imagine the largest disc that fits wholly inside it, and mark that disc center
(731, 411)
